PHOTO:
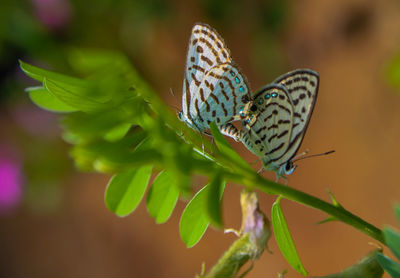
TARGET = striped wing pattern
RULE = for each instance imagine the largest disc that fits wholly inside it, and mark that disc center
(220, 96)
(282, 110)
(214, 88)
(267, 136)
(302, 86)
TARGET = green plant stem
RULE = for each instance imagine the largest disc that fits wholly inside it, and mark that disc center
(251, 179)
(233, 259)
(338, 212)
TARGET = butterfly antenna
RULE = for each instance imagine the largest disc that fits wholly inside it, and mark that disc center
(173, 106)
(172, 93)
(176, 100)
(314, 155)
(301, 154)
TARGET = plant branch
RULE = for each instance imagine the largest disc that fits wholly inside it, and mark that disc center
(338, 212)
(251, 179)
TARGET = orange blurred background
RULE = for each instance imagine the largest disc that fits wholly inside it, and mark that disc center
(57, 225)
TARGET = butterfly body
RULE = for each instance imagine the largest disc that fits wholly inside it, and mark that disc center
(274, 120)
(275, 130)
(214, 89)
(277, 120)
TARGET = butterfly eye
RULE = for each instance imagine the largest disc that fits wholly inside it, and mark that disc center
(288, 165)
(180, 115)
(289, 168)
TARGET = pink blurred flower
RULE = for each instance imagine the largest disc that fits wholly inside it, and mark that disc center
(55, 14)
(10, 185)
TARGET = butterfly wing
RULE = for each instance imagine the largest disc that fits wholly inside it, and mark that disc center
(268, 130)
(302, 86)
(221, 94)
(206, 50)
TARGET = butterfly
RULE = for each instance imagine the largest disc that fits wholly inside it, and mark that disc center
(214, 89)
(277, 120)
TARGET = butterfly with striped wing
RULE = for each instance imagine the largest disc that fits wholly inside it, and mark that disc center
(214, 89)
(277, 120)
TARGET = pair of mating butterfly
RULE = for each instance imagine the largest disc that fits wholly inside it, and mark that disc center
(274, 120)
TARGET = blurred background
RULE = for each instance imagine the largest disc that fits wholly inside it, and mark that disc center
(53, 220)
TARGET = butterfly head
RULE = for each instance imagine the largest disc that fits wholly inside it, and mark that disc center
(249, 115)
(244, 110)
(181, 116)
(289, 167)
(286, 169)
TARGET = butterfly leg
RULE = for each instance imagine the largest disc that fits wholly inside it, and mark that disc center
(180, 134)
(236, 232)
(283, 177)
(202, 144)
(286, 180)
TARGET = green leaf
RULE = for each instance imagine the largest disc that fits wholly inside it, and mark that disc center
(333, 199)
(78, 100)
(194, 220)
(117, 132)
(162, 197)
(367, 267)
(326, 220)
(284, 239)
(110, 124)
(109, 88)
(389, 265)
(213, 201)
(226, 149)
(117, 156)
(125, 190)
(42, 98)
(393, 241)
(40, 74)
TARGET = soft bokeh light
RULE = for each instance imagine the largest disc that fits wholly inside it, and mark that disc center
(53, 218)
(55, 14)
(10, 185)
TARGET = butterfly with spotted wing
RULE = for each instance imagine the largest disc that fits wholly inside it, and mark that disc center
(214, 89)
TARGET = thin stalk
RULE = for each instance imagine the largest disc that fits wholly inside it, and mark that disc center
(251, 179)
(338, 212)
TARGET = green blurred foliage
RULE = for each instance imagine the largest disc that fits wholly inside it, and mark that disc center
(113, 119)
(367, 267)
(393, 71)
(130, 131)
(392, 239)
